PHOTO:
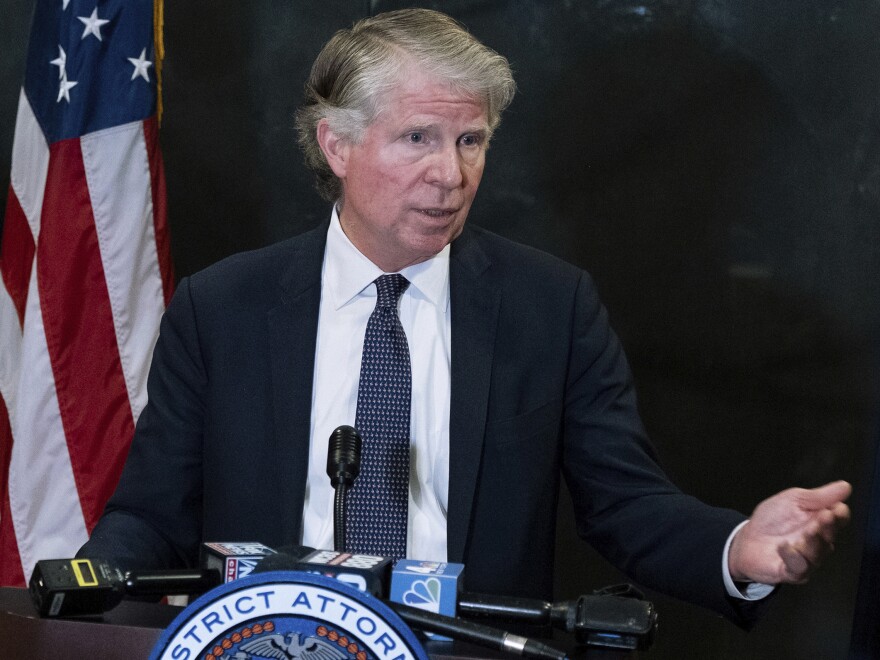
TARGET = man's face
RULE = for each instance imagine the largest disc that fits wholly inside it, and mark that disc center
(409, 184)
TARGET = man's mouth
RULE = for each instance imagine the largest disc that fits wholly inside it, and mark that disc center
(437, 213)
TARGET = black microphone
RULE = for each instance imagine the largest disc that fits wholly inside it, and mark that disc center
(606, 620)
(476, 633)
(90, 587)
(343, 467)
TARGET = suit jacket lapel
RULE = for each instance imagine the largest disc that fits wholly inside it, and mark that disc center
(292, 331)
(475, 307)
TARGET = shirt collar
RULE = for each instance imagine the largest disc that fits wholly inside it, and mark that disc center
(348, 273)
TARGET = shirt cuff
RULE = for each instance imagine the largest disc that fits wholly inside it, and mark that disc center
(743, 590)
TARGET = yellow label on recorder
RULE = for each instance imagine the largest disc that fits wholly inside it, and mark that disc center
(85, 574)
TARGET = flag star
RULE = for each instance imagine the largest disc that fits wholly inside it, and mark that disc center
(93, 24)
(60, 61)
(64, 88)
(141, 64)
(64, 4)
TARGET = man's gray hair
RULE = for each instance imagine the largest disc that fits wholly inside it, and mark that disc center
(357, 68)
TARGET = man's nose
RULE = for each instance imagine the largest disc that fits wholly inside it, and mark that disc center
(446, 168)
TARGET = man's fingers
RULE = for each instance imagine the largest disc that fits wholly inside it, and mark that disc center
(817, 547)
(841, 514)
(800, 524)
(824, 497)
(803, 557)
(827, 525)
(796, 567)
(827, 522)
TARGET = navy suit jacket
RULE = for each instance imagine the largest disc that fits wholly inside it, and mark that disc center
(540, 389)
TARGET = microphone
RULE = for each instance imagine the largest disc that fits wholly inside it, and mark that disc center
(429, 585)
(606, 620)
(90, 587)
(233, 560)
(476, 633)
(343, 467)
(603, 620)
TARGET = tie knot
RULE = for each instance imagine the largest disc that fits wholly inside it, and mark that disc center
(389, 288)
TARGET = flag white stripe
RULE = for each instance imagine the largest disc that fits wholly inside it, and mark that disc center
(116, 160)
(43, 498)
(10, 352)
(30, 164)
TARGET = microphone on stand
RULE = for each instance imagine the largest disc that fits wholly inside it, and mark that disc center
(343, 467)
(90, 587)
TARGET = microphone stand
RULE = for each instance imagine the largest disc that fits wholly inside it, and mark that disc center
(343, 467)
(339, 518)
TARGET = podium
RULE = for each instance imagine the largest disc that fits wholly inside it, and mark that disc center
(131, 629)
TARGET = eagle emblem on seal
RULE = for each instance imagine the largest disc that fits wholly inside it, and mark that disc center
(292, 646)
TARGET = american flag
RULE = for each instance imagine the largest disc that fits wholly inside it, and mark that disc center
(85, 271)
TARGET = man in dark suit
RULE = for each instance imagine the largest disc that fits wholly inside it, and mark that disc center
(516, 377)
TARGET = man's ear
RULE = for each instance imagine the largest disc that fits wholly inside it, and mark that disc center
(335, 148)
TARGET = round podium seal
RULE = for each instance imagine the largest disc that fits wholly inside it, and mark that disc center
(287, 615)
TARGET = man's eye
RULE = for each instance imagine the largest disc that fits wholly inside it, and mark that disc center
(416, 138)
(469, 140)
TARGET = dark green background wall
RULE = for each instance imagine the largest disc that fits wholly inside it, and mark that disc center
(715, 164)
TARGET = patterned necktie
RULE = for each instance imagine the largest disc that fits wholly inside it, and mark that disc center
(378, 500)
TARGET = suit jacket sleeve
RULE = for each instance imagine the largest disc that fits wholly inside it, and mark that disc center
(561, 400)
(153, 519)
(625, 505)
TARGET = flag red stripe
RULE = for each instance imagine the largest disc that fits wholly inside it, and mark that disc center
(5, 447)
(80, 334)
(10, 568)
(16, 253)
(11, 573)
(160, 218)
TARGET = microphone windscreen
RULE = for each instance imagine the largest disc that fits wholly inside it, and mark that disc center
(344, 455)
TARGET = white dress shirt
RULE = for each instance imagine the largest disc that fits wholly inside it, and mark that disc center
(348, 297)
